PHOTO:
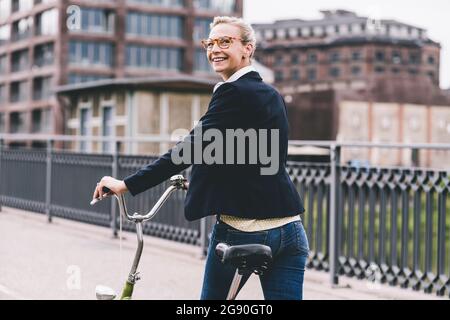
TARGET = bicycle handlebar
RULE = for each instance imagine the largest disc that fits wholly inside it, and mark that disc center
(177, 182)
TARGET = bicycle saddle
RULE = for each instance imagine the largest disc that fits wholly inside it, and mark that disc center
(246, 258)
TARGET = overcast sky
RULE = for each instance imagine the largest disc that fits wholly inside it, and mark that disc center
(433, 15)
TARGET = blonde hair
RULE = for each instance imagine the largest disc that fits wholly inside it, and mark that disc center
(247, 32)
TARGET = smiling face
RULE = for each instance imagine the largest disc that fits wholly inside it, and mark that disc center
(227, 61)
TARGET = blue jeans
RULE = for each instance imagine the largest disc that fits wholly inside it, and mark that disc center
(284, 279)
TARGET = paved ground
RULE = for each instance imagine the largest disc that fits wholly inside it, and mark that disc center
(66, 260)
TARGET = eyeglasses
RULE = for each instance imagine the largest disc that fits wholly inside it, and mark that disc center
(222, 42)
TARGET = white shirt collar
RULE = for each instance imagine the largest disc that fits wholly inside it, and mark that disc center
(235, 76)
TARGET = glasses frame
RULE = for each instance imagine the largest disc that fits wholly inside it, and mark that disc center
(205, 42)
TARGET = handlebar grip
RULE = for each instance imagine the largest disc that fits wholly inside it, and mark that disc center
(105, 190)
(220, 249)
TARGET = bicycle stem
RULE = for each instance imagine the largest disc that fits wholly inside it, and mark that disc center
(177, 182)
(133, 276)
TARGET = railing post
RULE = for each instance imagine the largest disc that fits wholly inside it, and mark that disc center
(48, 181)
(1, 155)
(335, 159)
(115, 173)
(415, 160)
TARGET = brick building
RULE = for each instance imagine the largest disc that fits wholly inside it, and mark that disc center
(350, 78)
(134, 108)
(49, 43)
(317, 62)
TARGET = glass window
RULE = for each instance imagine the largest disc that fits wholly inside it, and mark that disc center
(22, 5)
(295, 74)
(19, 91)
(47, 22)
(128, 23)
(154, 57)
(334, 72)
(312, 74)
(163, 3)
(20, 60)
(78, 78)
(44, 54)
(17, 122)
(138, 24)
(3, 63)
(278, 60)
(21, 29)
(201, 29)
(73, 51)
(334, 57)
(107, 128)
(414, 58)
(278, 75)
(5, 34)
(42, 87)
(201, 62)
(85, 19)
(91, 53)
(159, 26)
(84, 51)
(379, 56)
(2, 123)
(41, 121)
(5, 9)
(223, 6)
(163, 25)
(396, 57)
(96, 57)
(109, 53)
(356, 55)
(312, 58)
(2, 93)
(356, 70)
(85, 115)
(163, 58)
(155, 25)
(379, 69)
(97, 20)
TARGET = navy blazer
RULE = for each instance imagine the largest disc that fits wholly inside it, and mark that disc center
(233, 189)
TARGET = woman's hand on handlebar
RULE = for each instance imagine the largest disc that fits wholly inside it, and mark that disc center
(116, 186)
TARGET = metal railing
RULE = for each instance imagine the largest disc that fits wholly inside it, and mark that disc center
(384, 224)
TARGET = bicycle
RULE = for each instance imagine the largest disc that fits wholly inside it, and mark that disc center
(247, 259)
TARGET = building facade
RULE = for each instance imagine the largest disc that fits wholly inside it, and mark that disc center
(350, 78)
(343, 46)
(49, 43)
(134, 108)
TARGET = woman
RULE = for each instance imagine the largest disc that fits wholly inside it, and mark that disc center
(251, 206)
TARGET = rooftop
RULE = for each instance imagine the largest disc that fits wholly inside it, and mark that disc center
(179, 82)
(339, 24)
(330, 17)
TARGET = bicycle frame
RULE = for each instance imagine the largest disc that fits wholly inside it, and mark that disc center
(104, 293)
